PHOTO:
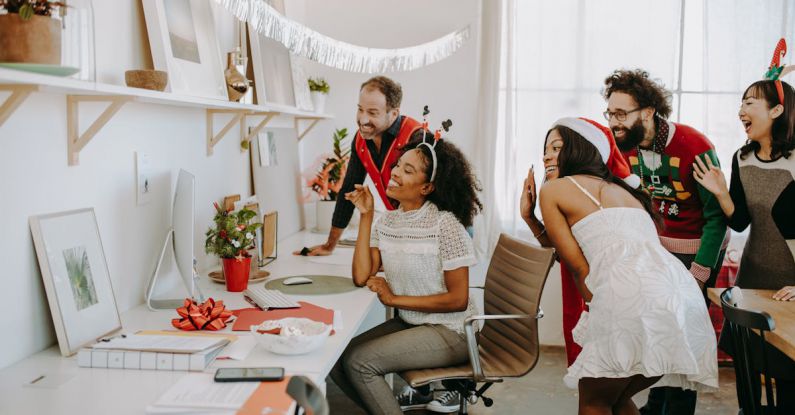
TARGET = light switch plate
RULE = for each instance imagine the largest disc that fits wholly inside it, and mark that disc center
(144, 184)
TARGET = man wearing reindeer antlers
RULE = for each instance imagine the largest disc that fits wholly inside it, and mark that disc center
(382, 134)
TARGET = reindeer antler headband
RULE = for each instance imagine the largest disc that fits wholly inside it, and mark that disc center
(777, 69)
(436, 136)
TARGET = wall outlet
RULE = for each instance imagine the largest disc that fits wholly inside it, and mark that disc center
(144, 184)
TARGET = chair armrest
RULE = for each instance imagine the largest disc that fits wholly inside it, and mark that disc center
(472, 342)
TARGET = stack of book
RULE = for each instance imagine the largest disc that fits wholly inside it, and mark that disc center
(153, 352)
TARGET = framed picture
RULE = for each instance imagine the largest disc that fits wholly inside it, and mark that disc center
(76, 277)
(303, 99)
(184, 44)
(267, 149)
(273, 76)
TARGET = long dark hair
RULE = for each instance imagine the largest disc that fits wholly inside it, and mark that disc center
(783, 128)
(455, 186)
(580, 156)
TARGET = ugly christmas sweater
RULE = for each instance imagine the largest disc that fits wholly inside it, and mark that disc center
(694, 222)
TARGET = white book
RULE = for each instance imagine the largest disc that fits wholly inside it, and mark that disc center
(132, 359)
(160, 343)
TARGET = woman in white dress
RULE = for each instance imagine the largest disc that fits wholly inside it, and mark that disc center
(647, 323)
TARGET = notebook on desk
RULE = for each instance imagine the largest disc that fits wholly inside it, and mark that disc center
(198, 393)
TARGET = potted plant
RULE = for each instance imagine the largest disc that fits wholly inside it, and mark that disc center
(29, 33)
(328, 180)
(230, 239)
(318, 88)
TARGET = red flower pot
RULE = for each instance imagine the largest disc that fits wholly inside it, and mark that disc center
(236, 272)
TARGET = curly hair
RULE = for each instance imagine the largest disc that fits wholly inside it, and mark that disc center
(455, 186)
(391, 90)
(646, 92)
(783, 129)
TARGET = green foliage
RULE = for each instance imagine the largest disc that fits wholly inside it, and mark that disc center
(328, 180)
(232, 235)
(27, 8)
(318, 84)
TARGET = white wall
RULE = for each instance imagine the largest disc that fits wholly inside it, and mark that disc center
(35, 179)
(449, 87)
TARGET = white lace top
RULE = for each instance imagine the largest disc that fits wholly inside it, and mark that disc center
(416, 248)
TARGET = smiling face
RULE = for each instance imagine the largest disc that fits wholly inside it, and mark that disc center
(630, 132)
(373, 115)
(408, 182)
(756, 115)
(552, 148)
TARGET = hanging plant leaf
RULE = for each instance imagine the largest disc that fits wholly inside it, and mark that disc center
(26, 11)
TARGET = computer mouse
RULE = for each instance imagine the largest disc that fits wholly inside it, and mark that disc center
(296, 281)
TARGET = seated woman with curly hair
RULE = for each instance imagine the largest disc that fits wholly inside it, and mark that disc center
(426, 254)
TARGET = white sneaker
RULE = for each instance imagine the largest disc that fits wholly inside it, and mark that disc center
(409, 399)
(447, 402)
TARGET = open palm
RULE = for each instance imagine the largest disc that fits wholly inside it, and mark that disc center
(527, 200)
(709, 176)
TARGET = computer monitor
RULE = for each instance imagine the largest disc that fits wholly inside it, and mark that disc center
(180, 234)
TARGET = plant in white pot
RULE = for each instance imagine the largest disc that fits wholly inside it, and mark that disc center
(318, 88)
(328, 180)
(29, 33)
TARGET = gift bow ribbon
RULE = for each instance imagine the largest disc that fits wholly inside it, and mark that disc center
(210, 315)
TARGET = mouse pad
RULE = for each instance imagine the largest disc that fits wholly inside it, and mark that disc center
(321, 284)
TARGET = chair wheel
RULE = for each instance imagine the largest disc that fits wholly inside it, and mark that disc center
(487, 401)
(473, 399)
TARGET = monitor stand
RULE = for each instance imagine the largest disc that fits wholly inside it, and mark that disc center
(170, 304)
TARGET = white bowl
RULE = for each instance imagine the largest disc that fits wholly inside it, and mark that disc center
(313, 335)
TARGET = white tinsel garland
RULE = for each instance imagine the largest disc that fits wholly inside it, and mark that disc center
(310, 44)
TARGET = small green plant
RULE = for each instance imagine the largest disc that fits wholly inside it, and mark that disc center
(319, 85)
(232, 235)
(27, 8)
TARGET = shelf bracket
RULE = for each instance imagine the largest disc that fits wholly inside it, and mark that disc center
(314, 122)
(246, 137)
(213, 139)
(18, 95)
(76, 141)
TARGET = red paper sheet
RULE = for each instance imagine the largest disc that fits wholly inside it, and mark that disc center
(272, 395)
(251, 317)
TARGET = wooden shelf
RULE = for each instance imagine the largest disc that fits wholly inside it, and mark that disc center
(21, 84)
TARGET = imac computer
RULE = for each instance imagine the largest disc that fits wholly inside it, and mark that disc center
(180, 248)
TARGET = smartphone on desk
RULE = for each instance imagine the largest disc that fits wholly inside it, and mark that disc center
(249, 374)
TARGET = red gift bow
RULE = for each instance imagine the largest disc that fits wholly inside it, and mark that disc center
(210, 315)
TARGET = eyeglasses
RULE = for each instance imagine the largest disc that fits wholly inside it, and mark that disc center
(620, 115)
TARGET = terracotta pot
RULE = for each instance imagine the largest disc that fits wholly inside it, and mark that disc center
(236, 273)
(37, 40)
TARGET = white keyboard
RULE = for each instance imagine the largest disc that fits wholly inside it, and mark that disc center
(267, 299)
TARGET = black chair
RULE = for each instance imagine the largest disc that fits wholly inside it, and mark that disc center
(750, 353)
(307, 396)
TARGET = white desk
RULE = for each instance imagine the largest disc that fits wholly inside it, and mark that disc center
(68, 389)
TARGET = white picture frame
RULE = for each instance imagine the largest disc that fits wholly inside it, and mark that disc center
(273, 76)
(303, 98)
(183, 41)
(76, 277)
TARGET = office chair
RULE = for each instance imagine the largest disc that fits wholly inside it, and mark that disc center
(749, 359)
(507, 345)
(307, 396)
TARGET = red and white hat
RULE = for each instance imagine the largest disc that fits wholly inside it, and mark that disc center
(602, 138)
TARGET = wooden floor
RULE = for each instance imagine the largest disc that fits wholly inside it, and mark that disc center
(542, 392)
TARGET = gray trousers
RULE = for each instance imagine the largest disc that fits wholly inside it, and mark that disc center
(390, 347)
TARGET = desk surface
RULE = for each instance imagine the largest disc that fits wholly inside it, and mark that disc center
(783, 313)
(67, 388)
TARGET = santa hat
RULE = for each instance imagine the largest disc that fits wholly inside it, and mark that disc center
(602, 138)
